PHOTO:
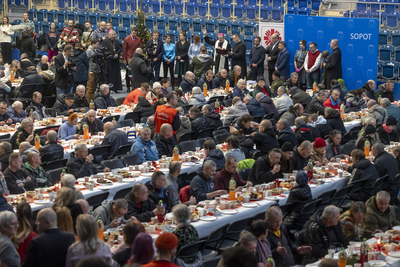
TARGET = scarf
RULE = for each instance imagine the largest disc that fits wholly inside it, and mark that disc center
(386, 128)
(263, 250)
(221, 58)
(264, 91)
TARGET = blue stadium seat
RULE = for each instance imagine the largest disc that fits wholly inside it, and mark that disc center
(59, 26)
(41, 15)
(123, 6)
(94, 18)
(200, 34)
(252, 2)
(350, 13)
(189, 35)
(62, 16)
(169, 7)
(102, 5)
(395, 38)
(393, 19)
(178, 8)
(90, 5)
(386, 52)
(237, 27)
(251, 12)
(93, 26)
(277, 3)
(265, 2)
(32, 13)
(232, 42)
(384, 36)
(156, 6)
(185, 24)
(16, 22)
(249, 41)
(127, 20)
(133, 8)
(210, 51)
(62, 4)
(265, 12)
(73, 15)
(191, 9)
(116, 29)
(379, 68)
(389, 70)
(240, 10)
(228, 36)
(391, 8)
(214, 10)
(51, 15)
(315, 4)
(198, 25)
(162, 35)
(247, 57)
(135, 20)
(146, 5)
(277, 13)
(211, 24)
(174, 23)
(239, 2)
(292, 10)
(123, 32)
(249, 28)
(227, 11)
(362, 5)
(105, 17)
(116, 19)
(223, 26)
(375, 7)
(83, 17)
(203, 7)
(305, 11)
(303, 3)
(162, 22)
(382, 15)
(46, 26)
(82, 4)
(111, 4)
(174, 36)
(364, 14)
(150, 21)
(211, 36)
(38, 26)
(397, 54)
(291, 3)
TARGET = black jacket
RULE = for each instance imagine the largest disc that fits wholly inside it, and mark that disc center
(300, 96)
(82, 66)
(363, 169)
(5, 118)
(52, 242)
(165, 146)
(217, 156)
(255, 109)
(51, 151)
(336, 123)
(104, 101)
(315, 106)
(214, 120)
(287, 135)
(14, 178)
(142, 213)
(303, 133)
(200, 186)
(94, 128)
(272, 52)
(4, 160)
(60, 107)
(199, 123)
(4, 206)
(298, 161)
(159, 48)
(266, 141)
(299, 196)
(187, 85)
(239, 56)
(324, 129)
(315, 132)
(18, 137)
(332, 152)
(268, 105)
(261, 171)
(28, 44)
(144, 108)
(140, 71)
(219, 81)
(155, 195)
(353, 103)
(385, 163)
(368, 92)
(290, 84)
(80, 167)
(80, 103)
(386, 137)
(381, 91)
(32, 78)
(64, 78)
(114, 138)
(333, 67)
(288, 258)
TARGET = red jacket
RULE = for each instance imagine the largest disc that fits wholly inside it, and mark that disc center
(129, 47)
(328, 103)
(133, 97)
(184, 194)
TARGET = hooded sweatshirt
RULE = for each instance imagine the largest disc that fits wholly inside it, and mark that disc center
(200, 64)
(234, 112)
(104, 212)
(200, 186)
(186, 127)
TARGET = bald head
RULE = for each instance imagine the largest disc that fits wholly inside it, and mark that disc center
(139, 51)
(298, 121)
(46, 219)
(44, 59)
(51, 136)
(24, 146)
(166, 130)
(5, 147)
(108, 126)
(265, 124)
(84, 205)
(259, 95)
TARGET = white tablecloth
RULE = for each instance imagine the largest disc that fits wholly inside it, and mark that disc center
(350, 125)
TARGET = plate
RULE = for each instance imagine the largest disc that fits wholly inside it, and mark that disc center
(395, 254)
(377, 263)
(147, 174)
(153, 236)
(188, 164)
(128, 180)
(379, 235)
(225, 196)
(229, 212)
(104, 187)
(327, 181)
(249, 205)
(79, 187)
(41, 202)
(271, 198)
(164, 170)
(208, 218)
(396, 227)
(312, 185)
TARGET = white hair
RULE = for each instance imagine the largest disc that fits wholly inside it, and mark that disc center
(78, 147)
(103, 87)
(248, 97)
(16, 104)
(383, 195)
(25, 122)
(68, 180)
(240, 81)
(385, 102)
(196, 90)
(80, 86)
(329, 212)
(6, 217)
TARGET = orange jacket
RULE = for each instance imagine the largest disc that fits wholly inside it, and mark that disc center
(133, 97)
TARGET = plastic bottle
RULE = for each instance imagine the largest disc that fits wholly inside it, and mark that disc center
(205, 90)
(270, 262)
(367, 145)
(342, 258)
(160, 211)
(379, 100)
(287, 90)
(364, 252)
(176, 154)
(37, 142)
(314, 87)
(217, 106)
(61, 176)
(227, 86)
(12, 76)
(85, 132)
(100, 232)
(232, 188)
(310, 168)
(91, 105)
(342, 110)
(31, 115)
(114, 122)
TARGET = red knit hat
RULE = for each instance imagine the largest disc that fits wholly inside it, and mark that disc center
(319, 142)
(167, 241)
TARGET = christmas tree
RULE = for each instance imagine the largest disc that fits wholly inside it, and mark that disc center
(143, 32)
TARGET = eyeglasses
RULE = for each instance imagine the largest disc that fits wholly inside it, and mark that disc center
(14, 223)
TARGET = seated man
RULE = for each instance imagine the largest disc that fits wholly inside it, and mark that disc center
(133, 97)
(266, 168)
(16, 112)
(187, 83)
(300, 97)
(316, 105)
(213, 118)
(37, 108)
(265, 139)
(333, 101)
(80, 164)
(80, 101)
(293, 112)
(64, 105)
(301, 155)
(285, 133)
(95, 125)
(23, 133)
(17, 180)
(197, 119)
(152, 125)
(267, 104)
(166, 141)
(283, 102)
(283, 250)
(172, 185)
(5, 152)
(286, 163)
(214, 154)
(114, 138)
(4, 118)
(84, 205)
(48, 75)
(253, 106)
(236, 111)
(35, 171)
(111, 212)
(157, 190)
(51, 150)
(139, 204)
(24, 149)
(103, 100)
(223, 177)
(202, 185)
(302, 132)
(144, 147)
(292, 81)
(43, 60)
(31, 78)
(380, 216)
(68, 180)
(323, 234)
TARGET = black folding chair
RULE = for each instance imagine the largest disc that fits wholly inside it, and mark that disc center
(96, 200)
(341, 196)
(215, 240)
(123, 150)
(190, 250)
(326, 198)
(221, 131)
(131, 159)
(349, 146)
(189, 145)
(215, 98)
(55, 164)
(213, 262)
(110, 118)
(55, 175)
(349, 137)
(186, 137)
(308, 210)
(127, 123)
(236, 227)
(286, 209)
(202, 140)
(244, 174)
(122, 193)
(356, 128)
(204, 133)
(357, 186)
(5, 137)
(380, 181)
(99, 151)
(112, 164)
(135, 116)
(120, 101)
(259, 216)
(269, 116)
(220, 138)
(257, 119)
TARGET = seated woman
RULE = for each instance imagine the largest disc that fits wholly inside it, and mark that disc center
(334, 149)
(142, 249)
(152, 95)
(64, 220)
(387, 131)
(259, 229)
(197, 99)
(181, 97)
(66, 198)
(353, 101)
(352, 221)
(130, 230)
(319, 153)
(160, 100)
(67, 130)
(8, 229)
(369, 134)
(68, 180)
(243, 125)
(234, 149)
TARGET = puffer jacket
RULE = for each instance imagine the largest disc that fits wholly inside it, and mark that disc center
(214, 120)
(255, 109)
(317, 157)
(166, 146)
(60, 107)
(219, 81)
(80, 167)
(268, 105)
(378, 113)
(383, 93)
(375, 219)
(200, 186)
(303, 133)
(368, 92)
(265, 141)
(199, 123)
(15, 116)
(104, 101)
(203, 80)
(336, 123)
(240, 93)
(105, 213)
(81, 102)
(187, 85)
(197, 100)
(114, 138)
(234, 112)
(353, 103)
(144, 108)
(287, 135)
(323, 127)
(145, 150)
(363, 169)
(82, 67)
(186, 127)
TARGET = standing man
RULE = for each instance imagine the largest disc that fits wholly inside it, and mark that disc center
(272, 51)
(100, 33)
(282, 63)
(130, 43)
(155, 50)
(312, 64)
(64, 80)
(111, 51)
(81, 76)
(94, 69)
(140, 71)
(238, 54)
(167, 113)
(87, 35)
(221, 60)
(28, 23)
(256, 58)
(333, 65)
(70, 35)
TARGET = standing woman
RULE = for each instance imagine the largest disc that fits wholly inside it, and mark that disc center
(169, 57)
(194, 48)
(52, 41)
(5, 39)
(182, 56)
(299, 58)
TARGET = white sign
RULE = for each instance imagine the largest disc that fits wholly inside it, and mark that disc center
(267, 29)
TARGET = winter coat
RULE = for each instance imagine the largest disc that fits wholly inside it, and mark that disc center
(187, 85)
(39, 111)
(234, 112)
(300, 96)
(218, 157)
(363, 169)
(261, 171)
(257, 90)
(315, 106)
(51, 151)
(383, 93)
(32, 78)
(200, 186)
(238, 92)
(201, 64)
(342, 91)
(275, 85)
(268, 105)
(15, 116)
(140, 71)
(284, 240)
(331, 152)
(82, 66)
(203, 80)
(147, 151)
(186, 127)
(298, 161)
(394, 111)
(290, 115)
(214, 120)
(265, 141)
(378, 113)
(60, 107)
(105, 213)
(336, 123)
(80, 102)
(353, 103)
(287, 135)
(104, 101)
(288, 83)
(165, 146)
(314, 130)
(385, 163)
(144, 108)
(333, 67)
(375, 219)
(219, 81)
(303, 133)
(323, 127)
(94, 127)
(28, 44)
(199, 123)
(18, 137)
(368, 92)
(143, 213)
(255, 109)
(156, 194)
(317, 157)
(197, 100)
(39, 174)
(114, 138)
(386, 137)
(80, 167)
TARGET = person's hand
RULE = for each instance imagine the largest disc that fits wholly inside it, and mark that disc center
(324, 65)
(254, 65)
(325, 161)
(116, 55)
(333, 159)
(133, 218)
(66, 64)
(308, 71)
(204, 31)
(89, 158)
(276, 168)
(317, 163)
(9, 120)
(65, 38)
(178, 57)
(104, 38)
(70, 110)
(106, 169)
(281, 250)
(220, 192)
(30, 138)
(182, 60)
(232, 129)
(125, 62)
(77, 136)
(21, 184)
(115, 223)
(253, 133)
(304, 250)
(154, 52)
(230, 53)
(52, 49)
(155, 211)
(83, 45)
(268, 58)
(377, 231)
(95, 142)
(276, 68)
(155, 59)
(168, 61)
(82, 110)
(28, 178)
(192, 200)
(239, 189)
(2, 123)
(256, 125)
(73, 68)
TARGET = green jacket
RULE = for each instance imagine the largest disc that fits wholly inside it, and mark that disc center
(201, 64)
(40, 175)
(375, 219)
(275, 85)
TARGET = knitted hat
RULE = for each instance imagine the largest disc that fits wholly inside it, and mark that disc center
(391, 121)
(69, 97)
(301, 178)
(293, 90)
(156, 85)
(287, 147)
(370, 129)
(277, 74)
(319, 142)
(166, 241)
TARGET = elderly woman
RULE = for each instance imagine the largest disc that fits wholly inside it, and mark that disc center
(259, 229)
(68, 180)
(234, 149)
(352, 221)
(319, 153)
(152, 95)
(67, 130)
(261, 88)
(89, 245)
(66, 198)
(334, 149)
(185, 232)
(387, 131)
(25, 233)
(240, 89)
(197, 99)
(8, 228)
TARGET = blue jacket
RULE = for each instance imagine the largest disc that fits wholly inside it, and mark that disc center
(218, 157)
(187, 86)
(210, 84)
(4, 206)
(15, 116)
(200, 186)
(282, 63)
(255, 109)
(393, 110)
(82, 66)
(145, 150)
(238, 92)
(115, 138)
(169, 52)
(66, 131)
(104, 102)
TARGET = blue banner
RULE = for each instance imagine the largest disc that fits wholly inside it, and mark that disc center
(358, 41)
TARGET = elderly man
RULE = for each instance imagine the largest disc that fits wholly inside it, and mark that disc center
(376, 111)
(172, 185)
(285, 133)
(4, 117)
(223, 177)
(254, 107)
(235, 75)
(220, 79)
(302, 132)
(265, 139)
(333, 64)
(95, 125)
(111, 212)
(35, 171)
(385, 91)
(312, 64)
(238, 53)
(266, 168)
(16, 112)
(139, 204)
(114, 138)
(68, 180)
(267, 104)
(37, 108)
(64, 105)
(213, 118)
(84, 205)
(80, 164)
(188, 82)
(133, 97)
(300, 96)
(198, 121)
(369, 88)
(273, 51)
(103, 100)
(139, 68)
(158, 191)
(283, 250)
(112, 50)
(17, 180)
(80, 101)
(292, 81)
(43, 60)
(392, 110)
(207, 78)
(240, 89)
(166, 141)
(202, 185)
(32, 77)
(316, 104)
(333, 101)
(221, 59)
(24, 149)
(380, 216)
(167, 113)
(52, 242)
(144, 147)
(323, 234)
(186, 125)
(51, 150)
(5, 152)
(236, 111)
(293, 112)
(301, 155)
(282, 62)
(283, 102)
(23, 133)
